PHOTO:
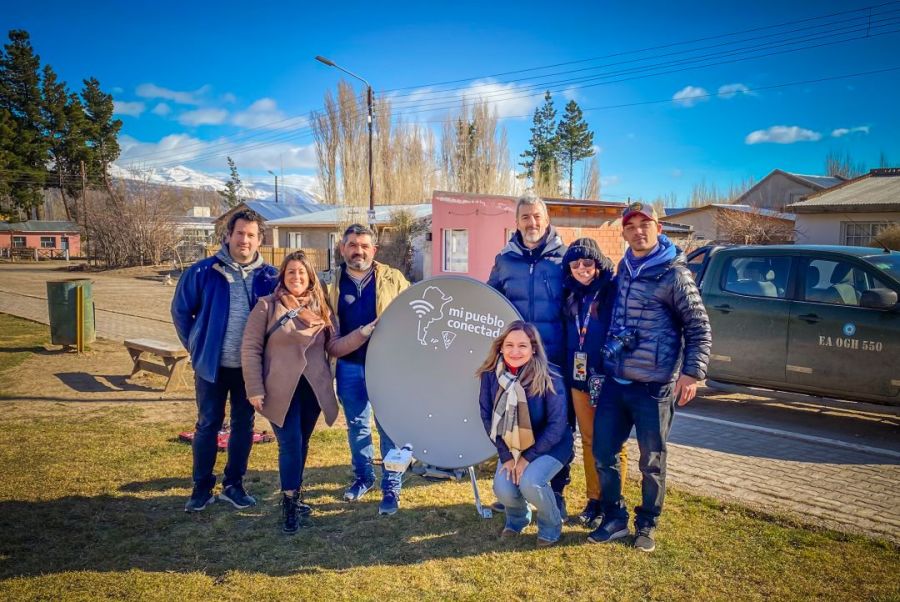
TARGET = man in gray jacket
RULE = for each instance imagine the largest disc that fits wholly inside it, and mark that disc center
(657, 349)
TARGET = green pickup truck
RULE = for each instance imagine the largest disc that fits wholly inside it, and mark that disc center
(823, 320)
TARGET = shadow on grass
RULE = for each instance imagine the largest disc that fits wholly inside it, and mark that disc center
(148, 530)
(35, 349)
(91, 383)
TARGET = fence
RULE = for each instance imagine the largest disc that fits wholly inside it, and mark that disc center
(274, 256)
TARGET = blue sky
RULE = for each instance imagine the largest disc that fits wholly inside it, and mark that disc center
(197, 82)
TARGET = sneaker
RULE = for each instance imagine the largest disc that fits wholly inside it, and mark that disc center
(498, 507)
(357, 489)
(591, 516)
(508, 533)
(609, 530)
(644, 539)
(544, 543)
(200, 499)
(290, 522)
(237, 496)
(390, 503)
(561, 504)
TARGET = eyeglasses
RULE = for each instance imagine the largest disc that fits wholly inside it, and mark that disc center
(588, 263)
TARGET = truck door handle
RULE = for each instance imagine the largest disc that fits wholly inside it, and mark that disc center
(724, 308)
(810, 318)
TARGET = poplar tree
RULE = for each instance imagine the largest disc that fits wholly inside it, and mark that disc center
(574, 140)
(543, 148)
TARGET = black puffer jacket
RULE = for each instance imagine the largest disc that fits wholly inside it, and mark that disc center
(532, 280)
(664, 306)
(601, 294)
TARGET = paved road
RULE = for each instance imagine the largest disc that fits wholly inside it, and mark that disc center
(835, 464)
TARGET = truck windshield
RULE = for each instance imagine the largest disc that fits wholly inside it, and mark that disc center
(886, 263)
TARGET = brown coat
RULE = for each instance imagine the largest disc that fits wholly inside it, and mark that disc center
(292, 351)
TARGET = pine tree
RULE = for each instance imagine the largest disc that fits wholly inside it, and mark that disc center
(20, 97)
(232, 186)
(543, 148)
(101, 132)
(574, 140)
(65, 124)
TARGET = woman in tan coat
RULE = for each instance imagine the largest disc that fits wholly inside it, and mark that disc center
(284, 356)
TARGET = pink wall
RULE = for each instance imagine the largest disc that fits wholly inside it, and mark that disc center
(33, 240)
(486, 218)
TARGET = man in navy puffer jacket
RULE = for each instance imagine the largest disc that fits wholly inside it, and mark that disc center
(662, 335)
(528, 271)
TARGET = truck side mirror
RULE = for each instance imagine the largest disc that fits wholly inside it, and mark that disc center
(878, 298)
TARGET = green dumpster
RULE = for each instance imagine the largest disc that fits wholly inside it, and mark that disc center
(62, 305)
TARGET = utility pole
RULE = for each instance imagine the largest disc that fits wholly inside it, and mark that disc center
(84, 211)
(276, 183)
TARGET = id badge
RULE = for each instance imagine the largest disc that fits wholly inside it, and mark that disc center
(579, 367)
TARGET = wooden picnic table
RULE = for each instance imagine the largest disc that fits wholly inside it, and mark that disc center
(172, 359)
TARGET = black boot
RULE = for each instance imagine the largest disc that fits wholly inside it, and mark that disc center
(303, 509)
(291, 522)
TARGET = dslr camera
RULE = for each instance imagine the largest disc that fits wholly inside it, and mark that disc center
(624, 340)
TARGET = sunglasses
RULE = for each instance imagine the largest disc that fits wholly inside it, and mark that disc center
(588, 263)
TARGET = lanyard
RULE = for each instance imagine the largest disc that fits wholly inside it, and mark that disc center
(582, 329)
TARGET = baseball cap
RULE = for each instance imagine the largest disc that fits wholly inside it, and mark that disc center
(639, 208)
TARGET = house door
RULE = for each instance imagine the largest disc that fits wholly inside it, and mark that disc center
(295, 240)
(64, 243)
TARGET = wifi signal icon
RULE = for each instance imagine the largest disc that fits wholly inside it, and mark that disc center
(421, 307)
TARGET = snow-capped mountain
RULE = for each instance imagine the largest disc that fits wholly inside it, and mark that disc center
(296, 189)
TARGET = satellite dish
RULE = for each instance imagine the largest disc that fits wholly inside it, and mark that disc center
(421, 363)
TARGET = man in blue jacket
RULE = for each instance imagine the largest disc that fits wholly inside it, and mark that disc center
(210, 309)
(528, 271)
(656, 350)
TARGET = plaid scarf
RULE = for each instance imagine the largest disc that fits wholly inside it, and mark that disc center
(510, 419)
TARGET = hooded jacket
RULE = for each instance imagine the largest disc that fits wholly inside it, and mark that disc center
(660, 301)
(389, 283)
(532, 280)
(600, 294)
(200, 310)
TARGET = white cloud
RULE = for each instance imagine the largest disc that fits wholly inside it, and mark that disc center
(185, 98)
(128, 108)
(210, 154)
(690, 95)
(509, 100)
(732, 90)
(782, 134)
(264, 113)
(862, 129)
(597, 149)
(210, 116)
(162, 109)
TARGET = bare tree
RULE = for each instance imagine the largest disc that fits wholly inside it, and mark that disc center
(474, 151)
(590, 181)
(752, 227)
(327, 136)
(843, 165)
(396, 238)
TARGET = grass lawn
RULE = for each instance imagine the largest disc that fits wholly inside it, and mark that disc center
(91, 498)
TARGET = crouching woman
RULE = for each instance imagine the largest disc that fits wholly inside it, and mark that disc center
(523, 408)
(288, 337)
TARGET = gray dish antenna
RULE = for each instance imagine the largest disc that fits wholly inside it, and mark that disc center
(421, 363)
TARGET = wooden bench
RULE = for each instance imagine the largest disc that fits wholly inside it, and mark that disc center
(173, 358)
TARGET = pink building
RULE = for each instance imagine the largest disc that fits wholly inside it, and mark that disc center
(468, 230)
(49, 238)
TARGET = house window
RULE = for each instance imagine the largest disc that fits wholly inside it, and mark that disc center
(48, 242)
(18, 242)
(456, 250)
(64, 242)
(861, 234)
(332, 249)
(295, 240)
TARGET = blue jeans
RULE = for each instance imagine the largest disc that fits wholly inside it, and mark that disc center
(533, 488)
(649, 407)
(210, 416)
(293, 436)
(351, 390)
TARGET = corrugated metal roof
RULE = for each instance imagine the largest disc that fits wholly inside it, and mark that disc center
(344, 214)
(735, 207)
(271, 211)
(819, 181)
(34, 225)
(871, 192)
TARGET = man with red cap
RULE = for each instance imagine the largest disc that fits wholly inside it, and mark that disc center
(657, 348)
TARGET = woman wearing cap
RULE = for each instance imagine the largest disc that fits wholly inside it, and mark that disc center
(591, 287)
(523, 408)
(286, 370)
